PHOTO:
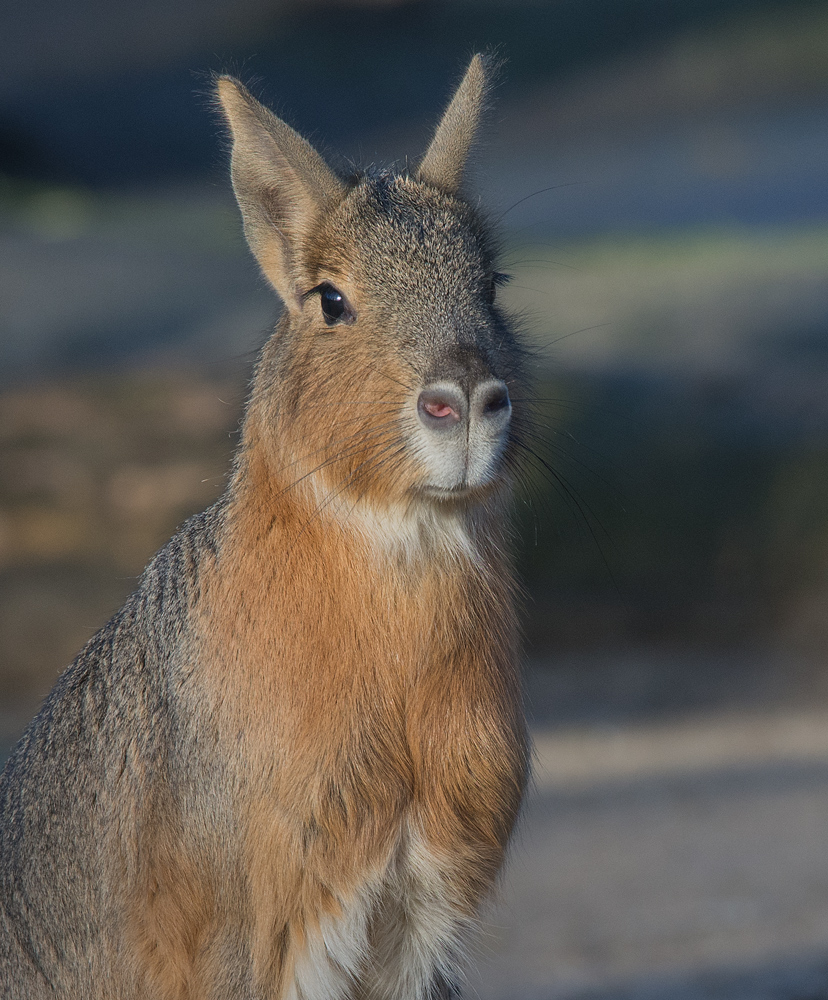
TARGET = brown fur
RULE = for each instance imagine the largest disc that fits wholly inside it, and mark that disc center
(309, 751)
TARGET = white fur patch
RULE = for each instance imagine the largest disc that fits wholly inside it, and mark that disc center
(420, 934)
(415, 531)
(334, 956)
(408, 531)
(444, 453)
(397, 937)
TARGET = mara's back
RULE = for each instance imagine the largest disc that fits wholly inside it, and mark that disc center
(289, 767)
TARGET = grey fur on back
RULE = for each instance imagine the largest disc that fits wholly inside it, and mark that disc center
(73, 790)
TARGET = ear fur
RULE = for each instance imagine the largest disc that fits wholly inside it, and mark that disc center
(281, 184)
(445, 159)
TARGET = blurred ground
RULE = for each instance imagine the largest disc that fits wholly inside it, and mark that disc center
(668, 855)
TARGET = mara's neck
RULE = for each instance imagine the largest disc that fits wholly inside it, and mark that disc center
(289, 525)
(374, 588)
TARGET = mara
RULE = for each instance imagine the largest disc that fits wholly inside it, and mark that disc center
(290, 765)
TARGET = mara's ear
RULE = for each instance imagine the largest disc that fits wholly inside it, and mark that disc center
(281, 183)
(445, 159)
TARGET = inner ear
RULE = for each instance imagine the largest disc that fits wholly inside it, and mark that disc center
(282, 185)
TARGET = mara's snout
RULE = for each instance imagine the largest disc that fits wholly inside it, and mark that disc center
(462, 434)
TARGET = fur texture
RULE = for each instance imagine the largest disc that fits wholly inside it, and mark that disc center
(290, 765)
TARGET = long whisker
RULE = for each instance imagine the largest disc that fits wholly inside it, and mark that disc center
(536, 263)
(584, 469)
(569, 457)
(329, 461)
(573, 404)
(354, 436)
(398, 454)
(407, 388)
(534, 194)
(372, 464)
(585, 510)
(395, 455)
(575, 333)
(560, 487)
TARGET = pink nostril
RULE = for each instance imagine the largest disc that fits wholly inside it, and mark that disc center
(439, 409)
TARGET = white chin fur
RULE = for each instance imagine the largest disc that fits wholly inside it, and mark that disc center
(416, 530)
(461, 461)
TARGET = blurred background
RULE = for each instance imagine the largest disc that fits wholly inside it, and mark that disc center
(659, 172)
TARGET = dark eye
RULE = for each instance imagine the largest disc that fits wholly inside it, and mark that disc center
(497, 279)
(335, 306)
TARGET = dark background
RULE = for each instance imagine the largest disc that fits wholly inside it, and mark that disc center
(659, 170)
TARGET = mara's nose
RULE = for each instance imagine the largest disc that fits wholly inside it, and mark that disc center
(491, 405)
(444, 406)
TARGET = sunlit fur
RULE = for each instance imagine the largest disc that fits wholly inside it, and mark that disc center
(289, 767)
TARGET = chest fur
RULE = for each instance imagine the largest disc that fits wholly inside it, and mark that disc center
(362, 685)
(372, 745)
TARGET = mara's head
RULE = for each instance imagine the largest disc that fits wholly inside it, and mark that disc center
(391, 375)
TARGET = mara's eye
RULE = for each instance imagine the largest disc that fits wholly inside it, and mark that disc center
(497, 279)
(335, 306)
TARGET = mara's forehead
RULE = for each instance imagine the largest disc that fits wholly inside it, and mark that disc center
(397, 222)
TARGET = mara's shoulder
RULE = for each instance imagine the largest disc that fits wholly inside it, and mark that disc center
(178, 562)
(124, 668)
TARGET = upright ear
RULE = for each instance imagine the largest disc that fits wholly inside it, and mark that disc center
(281, 183)
(445, 159)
